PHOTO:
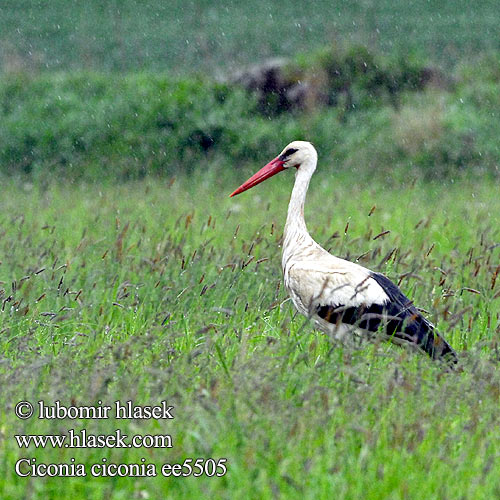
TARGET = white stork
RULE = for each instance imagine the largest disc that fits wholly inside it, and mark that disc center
(341, 297)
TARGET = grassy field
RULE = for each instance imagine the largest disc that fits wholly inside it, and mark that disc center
(126, 272)
(202, 36)
(169, 290)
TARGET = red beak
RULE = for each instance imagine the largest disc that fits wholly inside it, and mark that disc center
(272, 168)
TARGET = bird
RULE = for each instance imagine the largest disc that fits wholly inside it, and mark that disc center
(342, 298)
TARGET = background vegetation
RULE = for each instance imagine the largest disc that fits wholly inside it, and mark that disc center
(127, 273)
(201, 36)
(363, 111)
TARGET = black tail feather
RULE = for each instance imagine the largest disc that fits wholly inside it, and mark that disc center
(400, 324)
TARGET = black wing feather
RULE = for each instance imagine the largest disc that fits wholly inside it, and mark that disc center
(399, 318)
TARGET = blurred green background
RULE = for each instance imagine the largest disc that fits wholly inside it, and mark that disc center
(205, 37)
(126, 272)
(126, 89)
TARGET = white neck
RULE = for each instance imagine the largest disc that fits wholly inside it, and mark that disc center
(295, 233)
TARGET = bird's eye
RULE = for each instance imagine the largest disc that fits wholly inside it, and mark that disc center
(288, 153)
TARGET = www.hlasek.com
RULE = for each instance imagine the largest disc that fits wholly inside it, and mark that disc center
(30, 467)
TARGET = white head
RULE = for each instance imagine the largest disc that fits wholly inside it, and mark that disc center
(298, 154)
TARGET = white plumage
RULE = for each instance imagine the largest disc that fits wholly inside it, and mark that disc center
(341, 297)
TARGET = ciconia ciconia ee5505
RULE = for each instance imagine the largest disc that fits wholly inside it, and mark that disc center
(341, 297)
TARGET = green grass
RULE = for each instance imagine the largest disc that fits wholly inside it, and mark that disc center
(173, 291)
(203, 36)
(165, 289)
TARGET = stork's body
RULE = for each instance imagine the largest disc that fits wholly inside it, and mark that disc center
(341, 297)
